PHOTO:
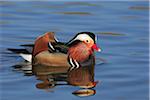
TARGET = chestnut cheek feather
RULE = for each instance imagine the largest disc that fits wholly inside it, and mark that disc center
(80, 52)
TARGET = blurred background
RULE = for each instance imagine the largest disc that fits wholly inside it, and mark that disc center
(123, 34)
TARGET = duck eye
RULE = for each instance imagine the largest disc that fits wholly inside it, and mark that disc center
(87, 41)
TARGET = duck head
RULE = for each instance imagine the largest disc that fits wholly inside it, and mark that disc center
(82, 45)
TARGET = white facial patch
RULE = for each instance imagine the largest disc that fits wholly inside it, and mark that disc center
(83, 37)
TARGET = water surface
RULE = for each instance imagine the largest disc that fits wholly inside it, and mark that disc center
(122, 30)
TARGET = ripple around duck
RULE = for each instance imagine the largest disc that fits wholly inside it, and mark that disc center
(111, 33)
(80, 4)
(139, 8)
(74, 13)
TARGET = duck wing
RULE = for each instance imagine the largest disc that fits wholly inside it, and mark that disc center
(61, 47)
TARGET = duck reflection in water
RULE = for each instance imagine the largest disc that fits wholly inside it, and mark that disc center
(55, 76)
(51, 77)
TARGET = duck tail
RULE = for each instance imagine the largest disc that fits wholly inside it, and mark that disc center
(23, 53)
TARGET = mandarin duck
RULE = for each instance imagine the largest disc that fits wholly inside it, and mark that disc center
(47, 50)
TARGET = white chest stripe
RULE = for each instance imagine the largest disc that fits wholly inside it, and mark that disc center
(74, 64)
(77, 64)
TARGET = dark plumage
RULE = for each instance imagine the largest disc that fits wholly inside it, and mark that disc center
(19, 51)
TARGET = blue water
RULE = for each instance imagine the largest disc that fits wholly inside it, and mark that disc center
(123, 34)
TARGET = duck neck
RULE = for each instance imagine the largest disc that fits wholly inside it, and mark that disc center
(80, 52)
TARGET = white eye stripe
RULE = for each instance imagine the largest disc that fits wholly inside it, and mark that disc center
(83, 37)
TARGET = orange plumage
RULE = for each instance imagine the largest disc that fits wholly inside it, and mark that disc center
(79, 52)
(41, 43)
